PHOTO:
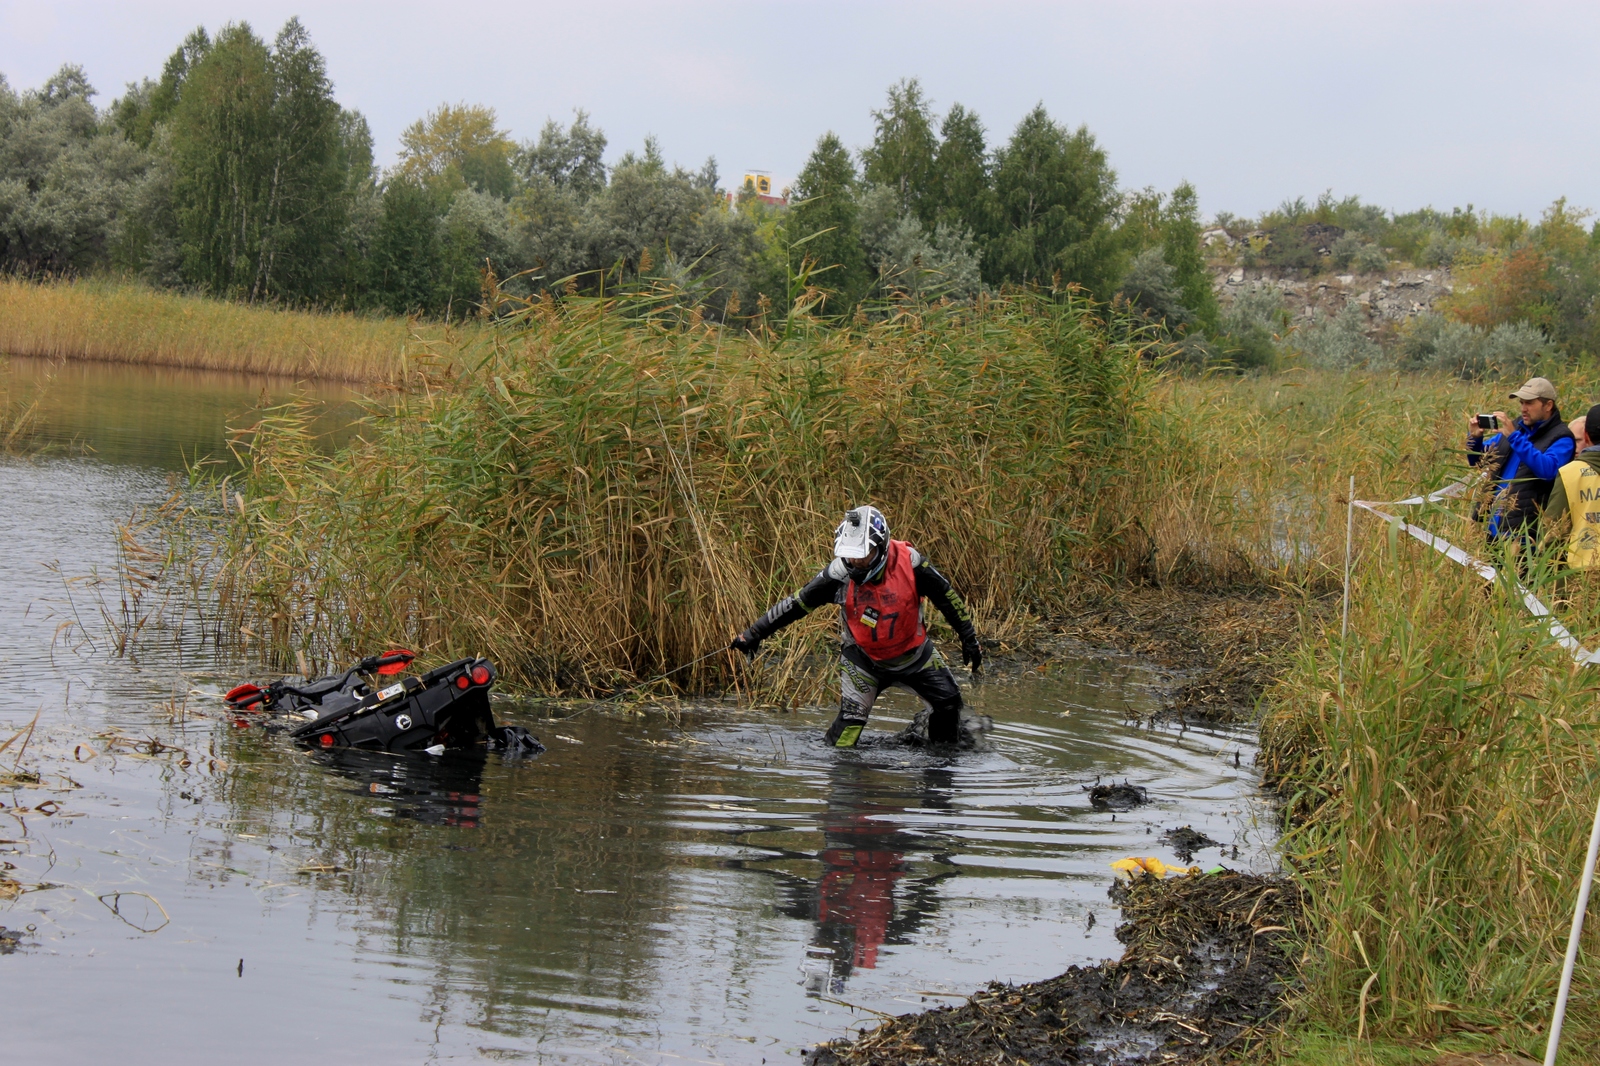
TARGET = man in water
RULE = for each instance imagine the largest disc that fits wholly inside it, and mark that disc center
(880, 585)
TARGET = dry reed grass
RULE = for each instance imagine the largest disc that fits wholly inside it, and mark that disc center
(604, 499)
(118, 322)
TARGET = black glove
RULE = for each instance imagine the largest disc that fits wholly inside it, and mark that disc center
(746, 645)
(972, 654)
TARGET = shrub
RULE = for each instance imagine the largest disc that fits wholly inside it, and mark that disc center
(1370, 259)
(1151, 285)
(1443, 249)
(1434, 342)
(1338, 342)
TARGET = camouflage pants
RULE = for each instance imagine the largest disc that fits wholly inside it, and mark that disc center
(860, 681)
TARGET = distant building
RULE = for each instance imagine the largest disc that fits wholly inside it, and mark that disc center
(760, 182)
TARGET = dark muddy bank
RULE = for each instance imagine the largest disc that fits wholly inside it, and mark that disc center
(1219, 648)
(1207, 962)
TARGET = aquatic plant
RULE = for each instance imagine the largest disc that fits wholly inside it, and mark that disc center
(1441, 766)
(1438, 799)
(614, 489)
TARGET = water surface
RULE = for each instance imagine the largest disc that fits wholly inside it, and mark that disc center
(706, 885)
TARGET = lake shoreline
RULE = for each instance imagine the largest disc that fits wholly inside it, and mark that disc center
(112, 321)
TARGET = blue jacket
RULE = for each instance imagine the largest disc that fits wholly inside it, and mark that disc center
(1526, 463)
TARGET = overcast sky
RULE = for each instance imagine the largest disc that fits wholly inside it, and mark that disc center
(1403, 103)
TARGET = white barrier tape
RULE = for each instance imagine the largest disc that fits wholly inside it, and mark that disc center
(1535, 606)
(1455, 488)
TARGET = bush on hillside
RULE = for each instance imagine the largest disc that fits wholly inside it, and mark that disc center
(1338, 342)
(1433, 342)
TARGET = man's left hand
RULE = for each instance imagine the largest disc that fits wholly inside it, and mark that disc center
(972, 655)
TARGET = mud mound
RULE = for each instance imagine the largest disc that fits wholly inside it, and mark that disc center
(1123, 797)
(1186, 841)
(1222, 647)
(1208, 959)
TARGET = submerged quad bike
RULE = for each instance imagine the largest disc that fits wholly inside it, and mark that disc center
(444, 709)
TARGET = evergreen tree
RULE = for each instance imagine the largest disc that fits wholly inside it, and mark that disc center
(1180, 242)
(901, 156)
(823, 228)
(1054, 194)
(407, 250)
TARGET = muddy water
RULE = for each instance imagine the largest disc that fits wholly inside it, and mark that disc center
(710, 885)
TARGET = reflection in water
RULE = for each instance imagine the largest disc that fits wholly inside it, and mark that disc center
(439, 790)
(161, 417)
(864, 858)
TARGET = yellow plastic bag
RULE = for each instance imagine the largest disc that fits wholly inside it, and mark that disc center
(1131, 867)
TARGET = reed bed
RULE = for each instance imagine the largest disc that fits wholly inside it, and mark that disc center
(19, 416)
(602, 499)
(1440, 764)
(1441, 776)
(117, 322)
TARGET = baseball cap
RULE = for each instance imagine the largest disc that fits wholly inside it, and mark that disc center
(1535, 389)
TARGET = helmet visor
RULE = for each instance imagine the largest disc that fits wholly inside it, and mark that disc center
(852, 540)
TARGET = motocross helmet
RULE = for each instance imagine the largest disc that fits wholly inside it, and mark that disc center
(864, 535)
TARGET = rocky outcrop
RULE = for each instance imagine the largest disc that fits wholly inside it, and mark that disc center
(1387, 299)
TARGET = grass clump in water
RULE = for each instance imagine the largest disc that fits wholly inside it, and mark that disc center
(607, 497)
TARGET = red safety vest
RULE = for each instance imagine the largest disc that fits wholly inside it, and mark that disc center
(885, 618)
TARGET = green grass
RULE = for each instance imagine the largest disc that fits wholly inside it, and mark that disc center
(1440, 797)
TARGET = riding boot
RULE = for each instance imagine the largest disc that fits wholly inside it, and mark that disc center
(846, 728)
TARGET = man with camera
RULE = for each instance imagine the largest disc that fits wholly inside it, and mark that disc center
(1523, 459)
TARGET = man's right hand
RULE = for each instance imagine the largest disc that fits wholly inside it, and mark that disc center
(1474, 431)
(746, 645)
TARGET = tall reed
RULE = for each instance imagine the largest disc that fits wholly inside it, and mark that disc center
(1443, 794)
(1438, 799)
(120, 322)
(603, 498)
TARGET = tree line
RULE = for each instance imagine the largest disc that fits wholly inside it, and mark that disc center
(237, 173)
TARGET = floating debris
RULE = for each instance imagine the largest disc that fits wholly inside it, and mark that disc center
(1186, 841)
(1133, 867)
(1123, 797)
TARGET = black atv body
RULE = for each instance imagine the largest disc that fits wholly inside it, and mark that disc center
(445, 709)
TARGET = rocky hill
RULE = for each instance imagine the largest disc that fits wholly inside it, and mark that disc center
(1387, 299)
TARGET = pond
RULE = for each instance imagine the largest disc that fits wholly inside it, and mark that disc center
(700, 884)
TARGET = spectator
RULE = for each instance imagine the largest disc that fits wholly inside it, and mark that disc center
(1577, 491)
(1523, 458)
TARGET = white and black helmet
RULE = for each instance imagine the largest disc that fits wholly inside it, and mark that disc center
(864, 534)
